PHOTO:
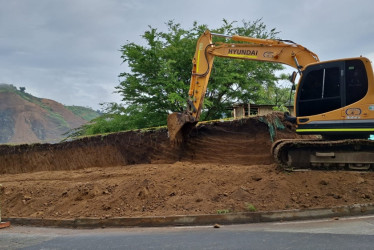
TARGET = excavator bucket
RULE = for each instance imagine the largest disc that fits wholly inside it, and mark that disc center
(179, 126)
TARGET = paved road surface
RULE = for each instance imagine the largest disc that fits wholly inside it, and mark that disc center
(348, 233)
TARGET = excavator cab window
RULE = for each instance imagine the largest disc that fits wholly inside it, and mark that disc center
(320, 89)
(356, 82)
(328, 86)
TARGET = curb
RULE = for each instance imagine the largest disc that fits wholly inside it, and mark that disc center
(4, 224)
(199, 220)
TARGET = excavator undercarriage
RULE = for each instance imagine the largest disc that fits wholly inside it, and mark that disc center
(348, 154)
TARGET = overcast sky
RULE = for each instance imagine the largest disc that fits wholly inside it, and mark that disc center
(68, 50)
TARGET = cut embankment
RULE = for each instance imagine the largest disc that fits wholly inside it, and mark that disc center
(244, 141)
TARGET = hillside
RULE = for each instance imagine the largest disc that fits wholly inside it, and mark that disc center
(87, 114)
(28, 119)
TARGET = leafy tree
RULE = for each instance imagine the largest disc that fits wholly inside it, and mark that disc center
(279, 94)
(160, 69)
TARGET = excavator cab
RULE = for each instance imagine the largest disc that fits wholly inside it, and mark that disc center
(332, 99)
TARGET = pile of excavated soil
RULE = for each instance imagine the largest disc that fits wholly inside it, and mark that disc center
(224, 167)
(180, 188)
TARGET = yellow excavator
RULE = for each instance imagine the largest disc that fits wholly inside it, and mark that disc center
(334, 99)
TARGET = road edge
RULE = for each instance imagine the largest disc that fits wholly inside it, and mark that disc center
(199, 220)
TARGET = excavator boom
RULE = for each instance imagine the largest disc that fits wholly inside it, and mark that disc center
(245, 48)
(333, 99)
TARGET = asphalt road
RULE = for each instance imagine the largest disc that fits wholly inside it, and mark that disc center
(347, 233)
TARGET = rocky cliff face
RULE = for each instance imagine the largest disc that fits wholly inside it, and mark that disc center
(28, 119)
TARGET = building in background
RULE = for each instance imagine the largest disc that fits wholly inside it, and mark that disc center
(243, 110)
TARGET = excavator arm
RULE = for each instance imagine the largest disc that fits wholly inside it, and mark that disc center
(246, 48)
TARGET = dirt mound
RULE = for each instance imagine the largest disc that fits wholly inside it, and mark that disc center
(225, 167)
(177, 189)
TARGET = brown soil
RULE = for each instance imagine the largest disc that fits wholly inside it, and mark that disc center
(225, 167)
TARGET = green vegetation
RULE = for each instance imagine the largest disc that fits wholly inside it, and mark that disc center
(87, 114)
(11, 88)
(223, 211)
(159, 78)
(58, 119)
(281, 108)
(7, 88)
(250, 207)
(26, 96)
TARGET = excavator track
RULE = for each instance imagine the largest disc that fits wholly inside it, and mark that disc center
(349, 154)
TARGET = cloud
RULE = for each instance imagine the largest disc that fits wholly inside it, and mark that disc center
(68, 50)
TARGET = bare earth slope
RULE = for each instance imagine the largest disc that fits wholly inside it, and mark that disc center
(225, 167)
(31, 119)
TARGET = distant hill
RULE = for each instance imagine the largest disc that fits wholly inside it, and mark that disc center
(25, 118)
(86, 113)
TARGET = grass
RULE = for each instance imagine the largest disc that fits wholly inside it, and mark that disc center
(223, 211)
(59, 119)
(250, 207)
(155, 128)
(85, 113)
